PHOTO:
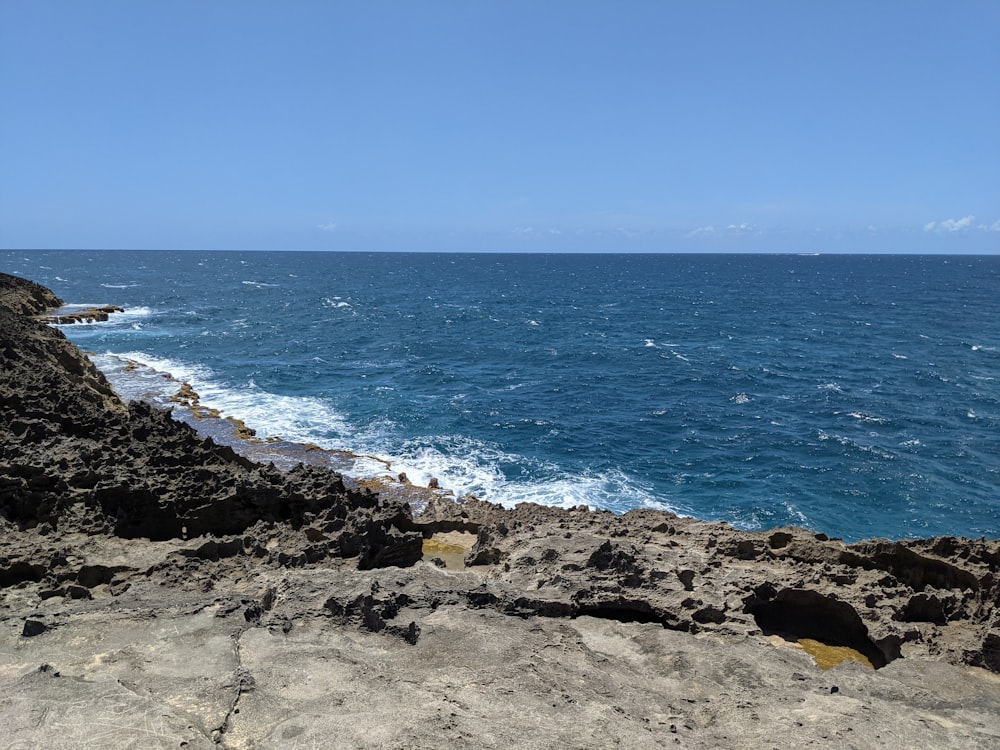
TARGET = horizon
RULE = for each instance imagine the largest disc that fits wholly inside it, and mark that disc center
(714, 253)
(489, 127)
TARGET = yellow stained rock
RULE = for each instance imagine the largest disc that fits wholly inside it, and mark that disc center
(827, 656)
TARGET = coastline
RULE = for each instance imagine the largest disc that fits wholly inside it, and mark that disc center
(558, 628)
(891, 435)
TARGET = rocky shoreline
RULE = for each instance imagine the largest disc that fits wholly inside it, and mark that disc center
(67, 316)
(160, 590)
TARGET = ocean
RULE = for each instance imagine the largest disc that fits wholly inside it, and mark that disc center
(858, 396)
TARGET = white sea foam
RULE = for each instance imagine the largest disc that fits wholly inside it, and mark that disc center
(612, 491)
(258, 284)
(740, 398)
(177, 369)
(133, 312)
(467, 466)
(126, 318)
(861, 417)
(652, 344)
(294, 418)
(801, 519)
(303, 419)
(119, 286)
(654, 504)
(132, 383)
(335, 302)
(849, 443)
(513, 386)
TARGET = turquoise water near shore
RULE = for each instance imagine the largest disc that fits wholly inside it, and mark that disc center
(854, 395)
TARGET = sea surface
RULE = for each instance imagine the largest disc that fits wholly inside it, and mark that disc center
(858, 396)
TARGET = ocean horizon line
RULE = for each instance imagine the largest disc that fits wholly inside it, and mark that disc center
(684, 253)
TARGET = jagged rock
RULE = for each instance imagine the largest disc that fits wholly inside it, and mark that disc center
(33, 627)
(69, 441)
(87, 315)
(25, 297)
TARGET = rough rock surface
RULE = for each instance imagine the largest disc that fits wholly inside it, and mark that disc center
(158, 590)
(63, 316)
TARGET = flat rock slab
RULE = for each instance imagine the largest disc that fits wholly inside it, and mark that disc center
(199, 675)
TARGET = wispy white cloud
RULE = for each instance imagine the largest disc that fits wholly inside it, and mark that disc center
(994, 227)
(949, 225)
(536, 232)
(330, 226)
(730, 229)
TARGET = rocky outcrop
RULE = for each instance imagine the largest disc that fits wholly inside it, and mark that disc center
(76, 458)
(84, 315)
(24, 297)
(883, 599)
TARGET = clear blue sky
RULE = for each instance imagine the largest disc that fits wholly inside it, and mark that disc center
(561, 125)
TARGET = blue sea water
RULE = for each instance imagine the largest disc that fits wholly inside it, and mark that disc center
(854, 395)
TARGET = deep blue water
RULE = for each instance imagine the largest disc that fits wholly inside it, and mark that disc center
(855, 395)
